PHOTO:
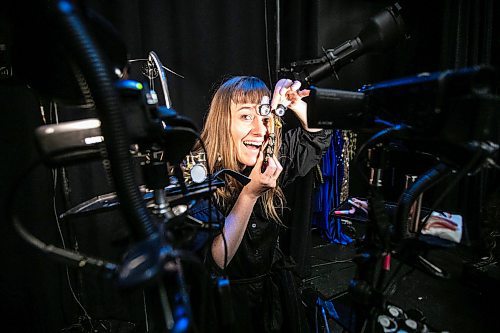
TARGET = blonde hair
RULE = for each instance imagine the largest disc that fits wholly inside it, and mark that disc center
(221, 153)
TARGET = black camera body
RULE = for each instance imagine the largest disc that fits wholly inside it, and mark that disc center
(448, 113)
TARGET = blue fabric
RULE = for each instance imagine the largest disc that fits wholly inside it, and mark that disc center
(328, 196)
(329, 307)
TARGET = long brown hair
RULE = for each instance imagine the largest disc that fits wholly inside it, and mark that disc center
(216, 135)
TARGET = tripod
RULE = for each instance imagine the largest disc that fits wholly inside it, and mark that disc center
(367, 295)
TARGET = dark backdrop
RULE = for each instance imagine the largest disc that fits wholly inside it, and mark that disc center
(204, 41)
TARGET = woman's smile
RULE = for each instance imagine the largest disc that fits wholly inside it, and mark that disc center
(248, 132)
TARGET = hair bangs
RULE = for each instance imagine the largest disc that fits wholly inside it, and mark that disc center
(248, 89)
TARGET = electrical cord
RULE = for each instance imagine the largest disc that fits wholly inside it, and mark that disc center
(278, 38)
(90, 58)
(391, 278)
(394, 280)
(492, 244)
(462, 173)
(379, 136)
(59, 254)
(53, 111)
(221, 222)
(267, 45)
(73, 294)
(332, 262)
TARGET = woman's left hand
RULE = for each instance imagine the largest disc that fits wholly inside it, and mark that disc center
(287, 93)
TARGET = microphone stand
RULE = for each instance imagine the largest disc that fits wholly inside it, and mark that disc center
(177, 319)
(153, 60)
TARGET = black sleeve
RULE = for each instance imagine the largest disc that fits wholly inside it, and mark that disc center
(301, 151)
(205, 213)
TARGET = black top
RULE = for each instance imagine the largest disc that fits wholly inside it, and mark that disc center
(257, 254)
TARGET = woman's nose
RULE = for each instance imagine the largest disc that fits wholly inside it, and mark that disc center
(258, 126)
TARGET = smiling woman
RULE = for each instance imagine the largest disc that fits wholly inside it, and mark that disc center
(247, 249)
(231, 133)
(248, 132)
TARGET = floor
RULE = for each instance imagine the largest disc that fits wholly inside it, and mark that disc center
(465, 301)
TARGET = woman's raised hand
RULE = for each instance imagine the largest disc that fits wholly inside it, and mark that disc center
(263, 181)
(287, 93)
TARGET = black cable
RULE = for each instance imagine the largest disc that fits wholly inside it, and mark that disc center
(221, 222)
(391, 278)
(63, 243)
(333, 262)
(267, 45)
(376, 208)
(54, 252)
(463, 172)
(379, 136)
(278, 38)
(459, 176)
(88, 56)
(394, 280)
(408, 197)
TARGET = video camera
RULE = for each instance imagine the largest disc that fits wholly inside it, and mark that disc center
(450, 114)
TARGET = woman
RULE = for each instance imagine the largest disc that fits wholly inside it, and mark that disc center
(235, 136)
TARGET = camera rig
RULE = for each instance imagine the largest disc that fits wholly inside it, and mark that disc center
(453, 116)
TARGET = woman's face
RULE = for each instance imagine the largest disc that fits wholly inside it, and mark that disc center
(248, 132)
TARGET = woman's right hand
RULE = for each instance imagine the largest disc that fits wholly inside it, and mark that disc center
(263, 181)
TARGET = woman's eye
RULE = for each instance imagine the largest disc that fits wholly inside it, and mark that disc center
(247, 117)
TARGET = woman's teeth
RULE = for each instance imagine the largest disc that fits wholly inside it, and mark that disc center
(252, 144)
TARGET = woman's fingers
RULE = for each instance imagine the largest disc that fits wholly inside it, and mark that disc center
(280, 90)
(304, 93)
(268, 177)
(260, 159)
(287, 93)
(274, 169)
(295, 86)
(262, 181)
(271, 168)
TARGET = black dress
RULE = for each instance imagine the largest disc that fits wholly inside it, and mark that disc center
(257, 282)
